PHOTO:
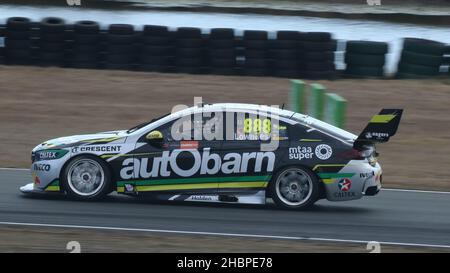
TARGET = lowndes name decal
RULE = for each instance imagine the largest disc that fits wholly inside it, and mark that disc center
(322, 151)
(203, 163)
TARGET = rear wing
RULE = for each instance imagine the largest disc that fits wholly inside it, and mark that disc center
(380, 128)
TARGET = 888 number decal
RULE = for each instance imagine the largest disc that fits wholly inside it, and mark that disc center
(257, 125)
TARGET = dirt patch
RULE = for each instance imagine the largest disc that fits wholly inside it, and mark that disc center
(33, 239)
(37, 104)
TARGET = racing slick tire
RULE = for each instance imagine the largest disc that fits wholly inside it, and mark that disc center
(155, 30)
(221, 33)
(52, 25)
(295, 188)
(87, 27)
(86, 177)
(18, 23)
(367, 47)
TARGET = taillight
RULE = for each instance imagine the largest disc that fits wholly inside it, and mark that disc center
(366, 152)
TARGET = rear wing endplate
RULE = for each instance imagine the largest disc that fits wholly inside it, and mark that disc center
(380, 128)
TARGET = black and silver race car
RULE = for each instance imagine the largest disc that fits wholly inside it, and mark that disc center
(230, 153)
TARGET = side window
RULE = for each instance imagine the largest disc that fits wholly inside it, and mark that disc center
(250, 127)
(301, 132)
(199, 126)
(165, 129)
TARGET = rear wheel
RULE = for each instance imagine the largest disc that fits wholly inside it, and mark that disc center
(295, 188)
(86, 178)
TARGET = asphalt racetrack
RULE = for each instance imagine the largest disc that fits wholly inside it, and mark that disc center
(409, 218)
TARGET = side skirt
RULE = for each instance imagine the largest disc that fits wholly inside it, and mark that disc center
(258, 197)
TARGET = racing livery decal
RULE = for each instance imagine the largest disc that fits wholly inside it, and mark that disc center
(258, 152)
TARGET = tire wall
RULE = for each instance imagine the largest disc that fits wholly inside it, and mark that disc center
(421, 58)
(290, 54)
(365, 59)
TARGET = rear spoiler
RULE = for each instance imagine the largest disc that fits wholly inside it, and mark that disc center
(380, 128)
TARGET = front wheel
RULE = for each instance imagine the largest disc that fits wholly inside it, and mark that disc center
(86, 178)
(295, 188)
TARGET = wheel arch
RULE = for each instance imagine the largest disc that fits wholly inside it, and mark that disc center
(322, 190)
(61, 173)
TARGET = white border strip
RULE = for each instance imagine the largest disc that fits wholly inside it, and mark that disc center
(223, 234)
(383, 189)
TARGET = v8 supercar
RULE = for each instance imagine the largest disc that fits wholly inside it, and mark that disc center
(230, 153)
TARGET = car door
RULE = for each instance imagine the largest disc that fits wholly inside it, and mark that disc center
(247, 151)
(177, 164)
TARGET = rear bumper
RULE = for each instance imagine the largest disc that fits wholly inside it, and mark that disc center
(355, 180)
(372, 190)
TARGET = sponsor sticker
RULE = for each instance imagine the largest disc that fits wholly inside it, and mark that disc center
(322, 152)
(129, 188)
(186, 145)
(50, 154)
(344, 186)
(367, 175)
(203, 162)
(376, 135)
(201, 198)
(301, 152)
(42, 167)
(102, 148)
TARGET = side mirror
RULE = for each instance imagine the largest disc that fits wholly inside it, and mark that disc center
(155, 138)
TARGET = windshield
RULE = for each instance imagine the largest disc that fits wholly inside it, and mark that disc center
(139, 126)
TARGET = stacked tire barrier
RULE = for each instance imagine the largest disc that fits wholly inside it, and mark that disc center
(285, 56)
(120, 48)
(365, 59)
(318, 55)
(157, 49)
(2, 45)
(293, 54)
(190, 57)
(52, 42)
(18, 42)
(222, 51)
(446, 60)
(420, 58)
(255, 44)
(85, 49)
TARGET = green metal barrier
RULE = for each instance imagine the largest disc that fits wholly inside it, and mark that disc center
(335, 106)
(297, 96)
(329, 107)
(316, 101)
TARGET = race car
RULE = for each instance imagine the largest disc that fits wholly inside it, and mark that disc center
(223, 152)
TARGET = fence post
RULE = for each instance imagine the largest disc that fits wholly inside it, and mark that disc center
(316, 101)
(296, 96)
(335, 109)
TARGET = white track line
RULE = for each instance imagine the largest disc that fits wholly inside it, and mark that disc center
(383, 189)
(14, 169)
(223, 234)
(419, 191)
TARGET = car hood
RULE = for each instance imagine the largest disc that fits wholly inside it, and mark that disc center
(70, 141)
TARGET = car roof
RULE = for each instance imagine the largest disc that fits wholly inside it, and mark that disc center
(274, 109)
